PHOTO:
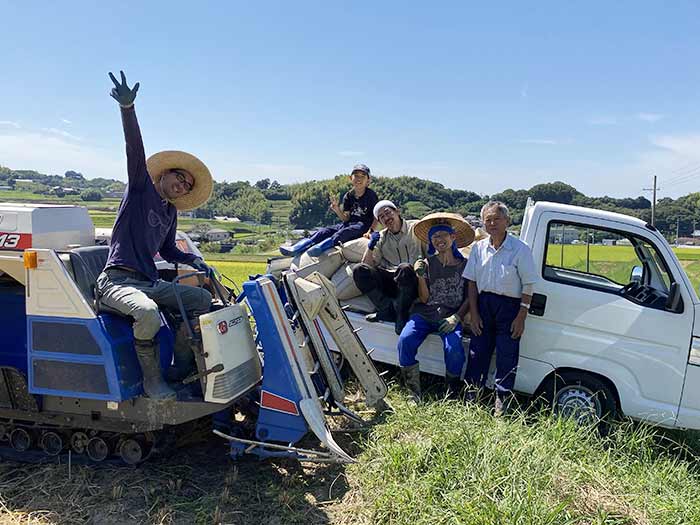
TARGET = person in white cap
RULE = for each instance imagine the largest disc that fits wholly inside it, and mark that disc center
(386, 272)
(145, 225)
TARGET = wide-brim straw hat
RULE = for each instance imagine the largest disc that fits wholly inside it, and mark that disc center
(163, 161)
(464, 233)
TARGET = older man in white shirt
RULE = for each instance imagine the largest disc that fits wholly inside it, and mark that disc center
(501, 274)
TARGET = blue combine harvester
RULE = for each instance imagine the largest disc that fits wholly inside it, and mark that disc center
(69, 378)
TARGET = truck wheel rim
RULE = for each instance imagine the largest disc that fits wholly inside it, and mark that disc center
(580, 404)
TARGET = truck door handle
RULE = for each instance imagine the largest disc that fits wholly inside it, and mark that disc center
(538, 304)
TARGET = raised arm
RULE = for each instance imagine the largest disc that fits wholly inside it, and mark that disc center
(135, 154)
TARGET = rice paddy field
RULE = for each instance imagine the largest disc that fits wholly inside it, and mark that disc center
(615, 262)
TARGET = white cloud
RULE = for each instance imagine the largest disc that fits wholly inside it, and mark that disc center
(51, 153)
(66, 121)
(524, 90)
(10, 123)
(682, 145)
(650, 117)
(62, 133)
(602, 120)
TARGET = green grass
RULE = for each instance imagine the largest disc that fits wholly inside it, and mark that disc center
(447, 463)
(238, 271)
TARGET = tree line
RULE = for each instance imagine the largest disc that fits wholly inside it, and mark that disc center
(416, 197)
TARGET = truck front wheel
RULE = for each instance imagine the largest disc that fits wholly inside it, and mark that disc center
(585, 398)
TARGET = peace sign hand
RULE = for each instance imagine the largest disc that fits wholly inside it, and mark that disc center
(122, 93)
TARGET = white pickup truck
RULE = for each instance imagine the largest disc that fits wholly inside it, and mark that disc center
(612, 326)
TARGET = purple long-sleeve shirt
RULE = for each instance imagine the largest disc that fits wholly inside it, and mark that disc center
(146, 223)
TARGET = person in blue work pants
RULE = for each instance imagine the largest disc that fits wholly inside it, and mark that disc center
(442, 300)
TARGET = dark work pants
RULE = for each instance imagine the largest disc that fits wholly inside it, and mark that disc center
(497, 313)
(341, 232)
(400, 285)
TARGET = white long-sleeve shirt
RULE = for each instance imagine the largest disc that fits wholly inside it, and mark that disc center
(508, 271)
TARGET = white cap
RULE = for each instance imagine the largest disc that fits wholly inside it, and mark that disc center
(382, 204)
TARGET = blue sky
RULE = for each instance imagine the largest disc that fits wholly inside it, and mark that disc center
(481, 97)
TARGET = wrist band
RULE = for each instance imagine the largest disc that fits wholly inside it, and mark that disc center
(525, 305)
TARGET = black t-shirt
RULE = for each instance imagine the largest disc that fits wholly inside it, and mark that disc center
(362, 209)
(447, 290)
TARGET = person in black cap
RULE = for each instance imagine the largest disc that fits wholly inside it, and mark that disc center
(355, 212)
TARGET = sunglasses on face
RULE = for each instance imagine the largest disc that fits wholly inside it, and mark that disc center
(183, 180)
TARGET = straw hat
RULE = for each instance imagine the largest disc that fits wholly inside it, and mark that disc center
(463, 231)
(161, 162)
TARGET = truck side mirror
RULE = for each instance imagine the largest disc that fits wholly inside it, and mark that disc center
(636, 274)
(674, 302)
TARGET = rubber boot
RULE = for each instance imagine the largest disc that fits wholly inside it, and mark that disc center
(453, 386)
(411, 378)
(153, 384)
(321, 247)
(384, 305)
(295, 249)
(504, 403)
(183, 358)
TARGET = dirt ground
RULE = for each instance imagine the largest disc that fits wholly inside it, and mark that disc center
(196, 484)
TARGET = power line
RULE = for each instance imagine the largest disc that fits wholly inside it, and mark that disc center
(683, 173)
(686, 178)
(690, 165)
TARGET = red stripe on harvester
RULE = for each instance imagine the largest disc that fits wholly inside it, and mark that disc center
(279, 403)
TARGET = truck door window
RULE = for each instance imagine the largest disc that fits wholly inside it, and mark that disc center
(608, 261)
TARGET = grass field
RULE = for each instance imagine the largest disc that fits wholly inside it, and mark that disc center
(442, 463)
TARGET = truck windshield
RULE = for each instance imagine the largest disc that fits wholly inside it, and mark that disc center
(589, 256)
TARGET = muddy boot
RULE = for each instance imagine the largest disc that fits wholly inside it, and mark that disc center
(384, 305)
(504, 404)
(453, 386)
(411, 378)
(153, 384)
(183, 358)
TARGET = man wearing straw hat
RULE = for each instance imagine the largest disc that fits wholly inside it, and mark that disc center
(442, 299)
(146, 224)
(386, 272)
(501, 274)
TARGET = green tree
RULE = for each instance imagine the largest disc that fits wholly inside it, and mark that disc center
(91, 195)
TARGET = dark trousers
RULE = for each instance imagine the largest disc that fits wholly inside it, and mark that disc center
(415, 332)
(497, 313)
(341, 232)
(400, 285)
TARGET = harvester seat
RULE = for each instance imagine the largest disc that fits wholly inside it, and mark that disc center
(88, 262)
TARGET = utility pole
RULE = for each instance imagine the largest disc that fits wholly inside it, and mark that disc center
(678, 223)
(653, 189)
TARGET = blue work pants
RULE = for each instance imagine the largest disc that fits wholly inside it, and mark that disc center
(497, 313)
(414, 333)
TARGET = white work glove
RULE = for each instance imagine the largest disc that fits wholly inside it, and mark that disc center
(448, 325)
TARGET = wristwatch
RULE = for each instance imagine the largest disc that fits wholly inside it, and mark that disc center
(525, 305)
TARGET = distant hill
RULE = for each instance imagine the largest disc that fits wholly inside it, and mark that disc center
(305, 205)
